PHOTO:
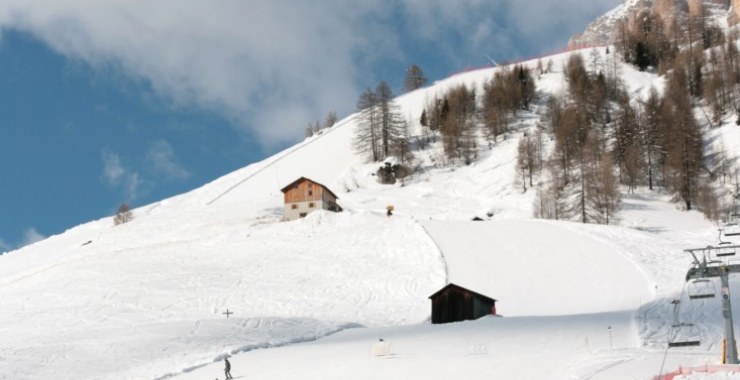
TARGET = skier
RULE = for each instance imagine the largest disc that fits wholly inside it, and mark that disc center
(227, 369)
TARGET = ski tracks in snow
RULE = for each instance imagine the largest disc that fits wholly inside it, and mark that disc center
(596, 364)
(244, 335)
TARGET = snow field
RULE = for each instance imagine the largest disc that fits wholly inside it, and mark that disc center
(145, 299)
(130, 312)
(626, 265)
(514, 348)
(539, 268)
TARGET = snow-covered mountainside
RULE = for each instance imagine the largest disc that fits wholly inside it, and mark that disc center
(146, 299)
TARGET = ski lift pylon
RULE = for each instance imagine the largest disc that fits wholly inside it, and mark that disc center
(701, 288)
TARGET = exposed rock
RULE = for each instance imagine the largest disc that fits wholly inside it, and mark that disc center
(695, 5)
(604, 29)
(734, 16)
(674, 13)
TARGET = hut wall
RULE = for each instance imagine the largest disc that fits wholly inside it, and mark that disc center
(482, 307)
(304, 191)
(307, 197)
(451, 306)
(454, 305)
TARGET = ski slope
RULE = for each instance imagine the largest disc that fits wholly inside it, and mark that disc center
(512, 348)
(615, 327)
(144, 309)
(146, 300)
(539, 268)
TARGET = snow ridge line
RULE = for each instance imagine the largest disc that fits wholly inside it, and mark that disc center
(260, 346)
(441, 254)
(649, 277)
(288, 153)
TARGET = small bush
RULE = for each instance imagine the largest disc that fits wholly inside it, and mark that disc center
(388, 174)
(123, 215)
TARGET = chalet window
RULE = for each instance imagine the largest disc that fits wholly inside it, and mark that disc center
(302, 215)
(294, 206)
(311, 205)
(310, 193)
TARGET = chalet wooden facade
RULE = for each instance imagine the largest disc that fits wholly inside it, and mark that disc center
(454, 303)
(304, 196)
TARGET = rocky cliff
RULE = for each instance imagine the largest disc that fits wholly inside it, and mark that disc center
(674, 13)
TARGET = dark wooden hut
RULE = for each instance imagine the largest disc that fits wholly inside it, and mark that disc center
(454, 303)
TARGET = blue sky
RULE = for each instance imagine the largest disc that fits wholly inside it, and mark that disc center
(135, 101)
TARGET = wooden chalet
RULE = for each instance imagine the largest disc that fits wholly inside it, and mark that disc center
(454, 303)
(304, 196)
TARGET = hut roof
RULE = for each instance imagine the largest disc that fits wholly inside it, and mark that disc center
(461, 288)
(286, 188)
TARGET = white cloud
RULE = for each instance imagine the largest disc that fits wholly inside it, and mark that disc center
(273, 65)
(240, 58)
(543, 21)
(117, 176)
(432, 18)
(162, 159)
(113, 171)
(4, 246)
(30, 236)
(501, 28)
(132, 185)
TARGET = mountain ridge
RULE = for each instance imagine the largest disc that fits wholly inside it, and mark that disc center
(605, 29)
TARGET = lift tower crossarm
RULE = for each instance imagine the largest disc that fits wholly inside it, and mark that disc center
(711, 271)
(704, 267)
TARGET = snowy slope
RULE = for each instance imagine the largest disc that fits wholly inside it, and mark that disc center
(160, 292)
(539, 268)
(510, 348)
(614, 345)
(575, 346)
(146, 299)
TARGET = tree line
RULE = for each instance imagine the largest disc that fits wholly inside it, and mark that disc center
(701, 64)
(582, 182)
(600, 137)
(603, 138)
(462, 120)
(381, 129)
(413, 80)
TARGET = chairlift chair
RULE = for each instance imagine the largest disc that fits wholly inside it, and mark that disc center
(732, 229)
(725, 249)
(684, 335)
(701, 288)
